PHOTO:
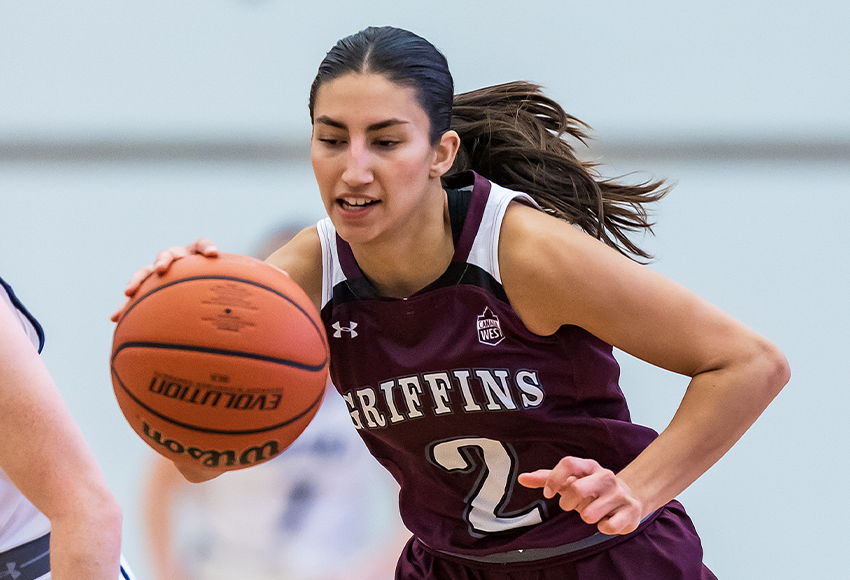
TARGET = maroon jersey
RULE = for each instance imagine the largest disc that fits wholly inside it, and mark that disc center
(456, 397)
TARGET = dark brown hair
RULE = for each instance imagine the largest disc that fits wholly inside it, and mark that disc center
(517, 137)
(511, 134)
(402, 57)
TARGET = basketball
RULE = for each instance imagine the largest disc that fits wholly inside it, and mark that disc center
(220, 362)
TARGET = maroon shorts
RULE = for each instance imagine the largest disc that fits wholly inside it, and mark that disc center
(667, 549)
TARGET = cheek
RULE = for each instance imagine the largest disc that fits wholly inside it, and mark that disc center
(412, 168)
(320, 166)
(324, 180)
(323, 169)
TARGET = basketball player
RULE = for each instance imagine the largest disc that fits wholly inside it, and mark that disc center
(472, 276)
(57, 518)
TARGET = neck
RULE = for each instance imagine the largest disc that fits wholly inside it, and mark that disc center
(407, 263)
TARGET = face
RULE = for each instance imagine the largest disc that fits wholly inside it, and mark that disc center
(377, 171)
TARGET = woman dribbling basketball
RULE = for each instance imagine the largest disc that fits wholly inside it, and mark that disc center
(471, 326)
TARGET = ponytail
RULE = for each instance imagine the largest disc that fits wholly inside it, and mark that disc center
(515, 136)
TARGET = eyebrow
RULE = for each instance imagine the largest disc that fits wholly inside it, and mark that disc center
(324, 120)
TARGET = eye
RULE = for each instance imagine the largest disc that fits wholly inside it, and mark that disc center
(331, 141)
(387, 143)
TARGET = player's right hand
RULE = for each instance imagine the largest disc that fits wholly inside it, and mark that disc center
(161, 264)
(195, 474)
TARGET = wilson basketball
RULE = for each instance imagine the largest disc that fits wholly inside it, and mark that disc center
(219, 363)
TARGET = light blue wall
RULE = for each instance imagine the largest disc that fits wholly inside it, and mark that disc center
(243, 67)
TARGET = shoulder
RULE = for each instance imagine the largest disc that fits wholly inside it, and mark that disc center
(553, 272)
(301, 258)
(531, 238)
(529, 241)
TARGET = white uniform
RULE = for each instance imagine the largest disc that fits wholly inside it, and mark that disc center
(20, 521)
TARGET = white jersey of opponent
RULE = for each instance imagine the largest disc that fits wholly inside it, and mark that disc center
(20, 521)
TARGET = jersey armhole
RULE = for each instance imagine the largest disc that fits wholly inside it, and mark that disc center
(25, 316)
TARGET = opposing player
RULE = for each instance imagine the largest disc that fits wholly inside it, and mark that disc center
(58, 519)
(473, 276)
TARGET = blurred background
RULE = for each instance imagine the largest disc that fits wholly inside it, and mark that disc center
(129, 127)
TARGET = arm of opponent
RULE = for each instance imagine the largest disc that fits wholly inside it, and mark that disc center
(43, 453)
(555, 275)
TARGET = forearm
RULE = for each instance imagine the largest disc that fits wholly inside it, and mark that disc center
(163, 487)
(86, 545)
(717, 409)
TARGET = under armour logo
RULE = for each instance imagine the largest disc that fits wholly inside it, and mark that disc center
(10, 570)
(340, 329)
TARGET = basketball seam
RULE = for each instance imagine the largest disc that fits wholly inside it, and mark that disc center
(215, 431)
(224, 352)
(232, 279)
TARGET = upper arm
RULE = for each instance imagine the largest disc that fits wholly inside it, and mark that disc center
(301, 258)
(41, 449)
(555, 274)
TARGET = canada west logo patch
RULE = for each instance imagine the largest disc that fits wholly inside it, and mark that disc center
(489, 329)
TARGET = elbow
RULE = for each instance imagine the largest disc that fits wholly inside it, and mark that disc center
(93, 518)
(104, 507)
(100, 503)
(773, 368)
(113, 515)
(783, 371)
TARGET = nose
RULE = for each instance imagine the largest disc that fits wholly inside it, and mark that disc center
(358, 165)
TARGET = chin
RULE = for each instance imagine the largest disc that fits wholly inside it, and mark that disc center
(352, 233)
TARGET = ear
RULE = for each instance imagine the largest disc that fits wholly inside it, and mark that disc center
(445, 151)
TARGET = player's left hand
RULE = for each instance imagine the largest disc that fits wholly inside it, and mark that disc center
(596, 493)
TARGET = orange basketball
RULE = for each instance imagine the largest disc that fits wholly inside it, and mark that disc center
(219, 363)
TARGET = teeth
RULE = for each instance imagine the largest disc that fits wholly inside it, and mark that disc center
(356, 201)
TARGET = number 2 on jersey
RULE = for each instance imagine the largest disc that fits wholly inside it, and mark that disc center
(493, 488)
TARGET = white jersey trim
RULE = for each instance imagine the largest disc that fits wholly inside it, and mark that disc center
(332, 273)
(485, 248)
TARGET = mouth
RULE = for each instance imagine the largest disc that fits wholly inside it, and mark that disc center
(356, 203)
